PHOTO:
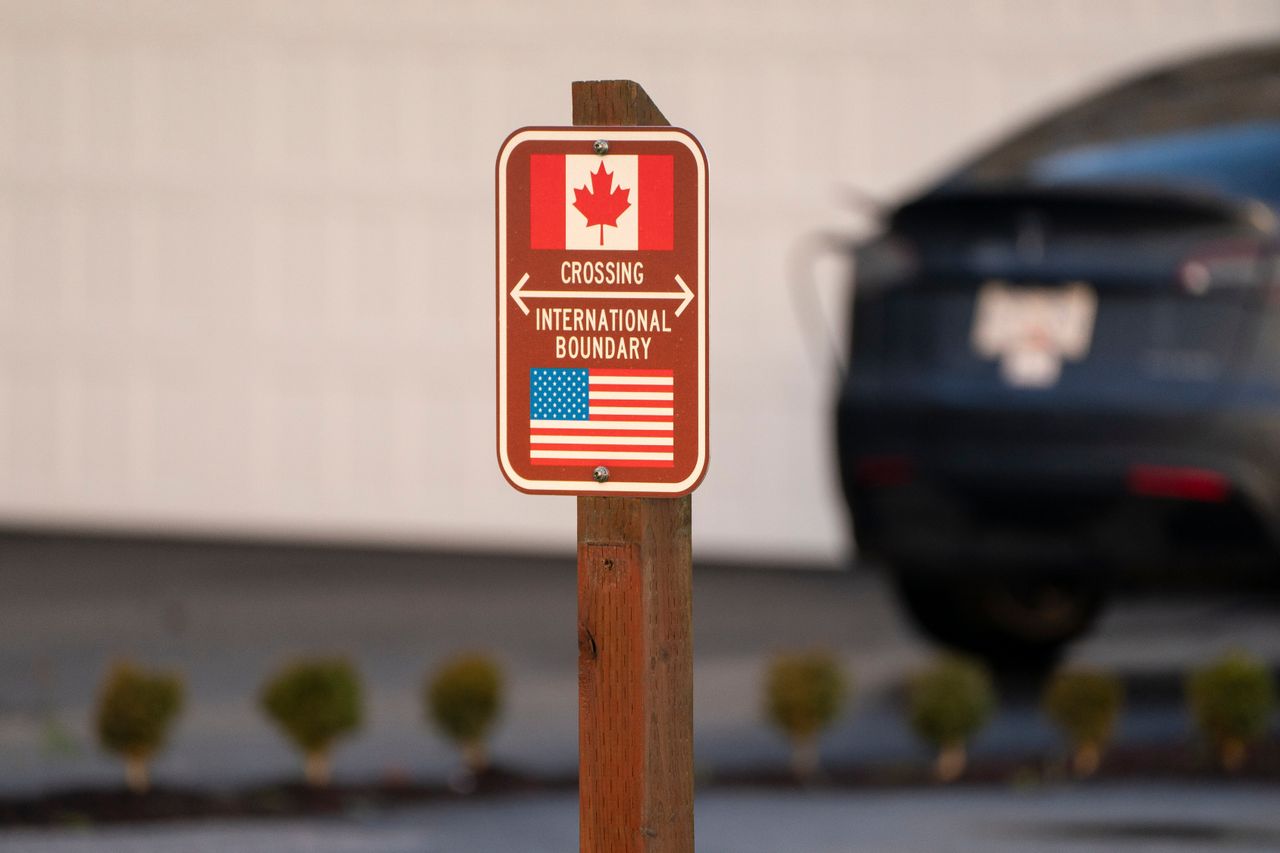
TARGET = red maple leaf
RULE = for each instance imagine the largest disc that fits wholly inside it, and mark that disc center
(601, 206)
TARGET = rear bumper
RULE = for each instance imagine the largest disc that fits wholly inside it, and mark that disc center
(951, 488)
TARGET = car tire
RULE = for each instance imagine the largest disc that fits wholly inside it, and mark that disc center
(1014, 623)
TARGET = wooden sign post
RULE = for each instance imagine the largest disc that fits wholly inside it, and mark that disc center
(602, 393)
(635, 638)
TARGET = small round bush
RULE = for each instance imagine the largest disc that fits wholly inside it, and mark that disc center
(463, 699)
(1232, 701)
(803, 694)
(314, 702)
(1084, 704)
(947, 704)
(135, 709)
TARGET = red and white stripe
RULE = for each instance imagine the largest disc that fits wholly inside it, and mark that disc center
(630, 424)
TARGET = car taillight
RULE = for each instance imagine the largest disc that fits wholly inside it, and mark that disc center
(883, 263)
(1190, 484)
(884, 470)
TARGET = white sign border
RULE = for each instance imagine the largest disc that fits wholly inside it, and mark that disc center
(620, 134)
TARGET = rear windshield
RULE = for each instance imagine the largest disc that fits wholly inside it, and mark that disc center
(1210, 126)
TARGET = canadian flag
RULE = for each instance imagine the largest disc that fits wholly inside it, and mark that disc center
(618, 202)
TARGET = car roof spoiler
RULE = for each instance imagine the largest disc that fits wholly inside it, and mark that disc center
(1134, 198)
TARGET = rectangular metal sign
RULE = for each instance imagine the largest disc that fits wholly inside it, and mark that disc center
(602, 311)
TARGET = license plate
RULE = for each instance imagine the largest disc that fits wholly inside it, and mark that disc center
(1033, 329)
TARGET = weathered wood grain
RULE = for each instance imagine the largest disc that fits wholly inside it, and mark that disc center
(616, 102)
(635, 629)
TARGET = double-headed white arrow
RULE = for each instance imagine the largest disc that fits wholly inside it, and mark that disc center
(519, 294)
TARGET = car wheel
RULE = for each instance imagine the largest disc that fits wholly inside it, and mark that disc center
(1014, 623)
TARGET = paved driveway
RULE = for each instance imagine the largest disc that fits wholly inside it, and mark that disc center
(1064, 820)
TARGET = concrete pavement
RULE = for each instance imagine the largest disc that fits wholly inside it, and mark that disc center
(1081, 819)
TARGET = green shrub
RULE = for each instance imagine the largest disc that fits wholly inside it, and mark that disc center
(463, 699)
(314, 702)
(1084, 704)
(947, 703)
(803, 694)
(135, 709)
(1232, 700)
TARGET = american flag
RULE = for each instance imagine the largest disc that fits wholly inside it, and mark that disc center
(586, 416)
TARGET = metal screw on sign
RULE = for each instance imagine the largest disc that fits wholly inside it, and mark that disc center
(601, 474)
(601, 146)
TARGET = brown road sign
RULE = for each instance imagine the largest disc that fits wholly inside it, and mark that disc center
(602, 311)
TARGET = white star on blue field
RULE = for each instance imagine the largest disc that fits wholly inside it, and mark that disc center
(559, 394)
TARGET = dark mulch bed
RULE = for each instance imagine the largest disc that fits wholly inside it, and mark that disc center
(118, 805)
(1161, 762)
(1182, 762)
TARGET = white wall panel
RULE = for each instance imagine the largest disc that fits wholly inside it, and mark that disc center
(246, 249)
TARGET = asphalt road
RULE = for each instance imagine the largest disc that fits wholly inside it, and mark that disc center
(1087, 819)
(227, 615)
